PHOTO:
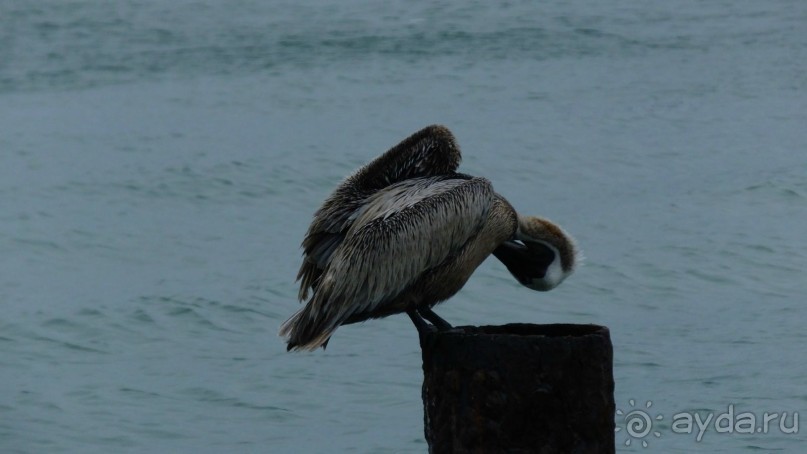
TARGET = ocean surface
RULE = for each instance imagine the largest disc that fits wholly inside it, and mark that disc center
(160, 163)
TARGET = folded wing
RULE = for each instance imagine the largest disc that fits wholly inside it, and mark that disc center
(400, 233)
(431, 151)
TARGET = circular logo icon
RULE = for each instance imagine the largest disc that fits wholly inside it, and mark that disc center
(638, 423)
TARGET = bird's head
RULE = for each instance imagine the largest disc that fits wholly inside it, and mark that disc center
(541, 255)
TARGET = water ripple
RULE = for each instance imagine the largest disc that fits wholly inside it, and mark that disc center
(126, 47)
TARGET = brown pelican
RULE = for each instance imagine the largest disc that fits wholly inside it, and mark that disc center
(405, 232)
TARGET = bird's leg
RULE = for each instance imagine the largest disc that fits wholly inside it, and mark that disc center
(427, 313)
(420, 324)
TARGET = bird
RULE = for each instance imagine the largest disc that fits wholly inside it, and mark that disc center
(405, 232)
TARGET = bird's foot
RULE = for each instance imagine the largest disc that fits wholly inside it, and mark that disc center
(419, 317)
(436, 320)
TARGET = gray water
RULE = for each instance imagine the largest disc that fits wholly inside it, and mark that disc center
(160, 162)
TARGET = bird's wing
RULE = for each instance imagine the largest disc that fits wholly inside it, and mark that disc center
(431, 151)
(400, 234)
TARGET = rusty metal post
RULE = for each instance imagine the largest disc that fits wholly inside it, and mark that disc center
(519, 388)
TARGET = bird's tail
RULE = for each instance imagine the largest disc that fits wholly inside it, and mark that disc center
(306, 331)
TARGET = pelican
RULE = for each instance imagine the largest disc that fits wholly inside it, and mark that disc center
(405, 232)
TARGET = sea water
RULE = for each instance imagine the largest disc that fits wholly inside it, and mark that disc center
(161, 161)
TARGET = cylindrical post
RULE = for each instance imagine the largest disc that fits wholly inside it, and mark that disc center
(519, 388)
